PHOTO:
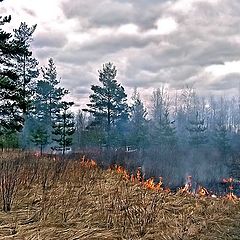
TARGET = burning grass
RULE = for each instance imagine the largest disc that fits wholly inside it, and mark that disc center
(74, 199)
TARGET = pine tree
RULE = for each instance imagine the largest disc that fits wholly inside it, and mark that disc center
(63, 126)
(197, 131)
(40, 137)
(48, 97)
(138, 122)
(47, 93)
(9, 140)
(26, 65)
(11, 99)
(26, 69)
(162, 129)
(108, 101)
(221, 139)
(187, 101)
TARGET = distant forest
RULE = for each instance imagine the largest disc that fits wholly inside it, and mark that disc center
(181, 134)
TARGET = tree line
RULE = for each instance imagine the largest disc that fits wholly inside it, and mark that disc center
(32, 110)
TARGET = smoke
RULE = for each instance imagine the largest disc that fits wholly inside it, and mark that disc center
(204, 164)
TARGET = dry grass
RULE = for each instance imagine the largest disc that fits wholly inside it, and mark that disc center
(56, 199)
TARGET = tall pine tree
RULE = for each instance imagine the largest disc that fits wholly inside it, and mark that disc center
(26, 69)
(11, 100)
(26, 65)
(48, 97)
(108, 102)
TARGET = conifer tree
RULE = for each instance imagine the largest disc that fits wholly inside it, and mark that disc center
(47, 93)
(48, 97)
(108, 102)
(11, 100)
(26, 69)
(9, 140)
(26, 65)
(197, 131)
(63, 126)
(40, 137)
(138, 122)
(221, 139)
(162, 129)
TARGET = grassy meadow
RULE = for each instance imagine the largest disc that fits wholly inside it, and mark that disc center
(53, 198)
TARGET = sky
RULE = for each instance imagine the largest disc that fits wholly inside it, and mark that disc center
(152, 42)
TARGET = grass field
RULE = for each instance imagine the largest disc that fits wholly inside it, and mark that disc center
(46, 198)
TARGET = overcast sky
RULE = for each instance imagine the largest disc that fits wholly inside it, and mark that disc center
(152, 42)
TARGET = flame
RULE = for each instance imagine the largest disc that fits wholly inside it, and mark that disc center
(232, 197)
(132, 179)
(202, 191)
(123, 171)
(86, 163)
(151, 185)
(188, 186)
(139, 179)
(158, 186)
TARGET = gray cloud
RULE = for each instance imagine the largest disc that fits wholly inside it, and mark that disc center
(230, 81)
(47, 40)
(77, 79)
(46, 53)
(102, 46)
(206, 34)
(81, 91)
(3, 11)
(204, 37)
(93, 13)
(29, 12)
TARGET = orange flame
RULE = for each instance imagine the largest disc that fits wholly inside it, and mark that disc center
(139, 178)
(230, 196)
(86, 163)
(158, 186)
(202, 191)
(150, 184)
(188, 185)
(121, 170)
